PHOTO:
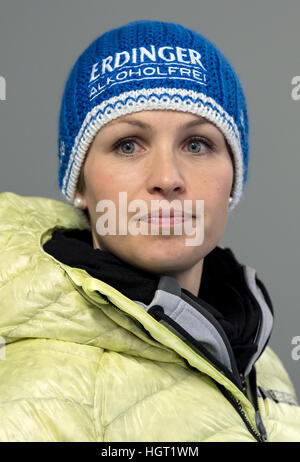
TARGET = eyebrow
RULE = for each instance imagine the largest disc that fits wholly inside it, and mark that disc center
(138, 123)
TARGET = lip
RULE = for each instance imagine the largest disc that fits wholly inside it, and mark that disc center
(169, 216)
(172, 221)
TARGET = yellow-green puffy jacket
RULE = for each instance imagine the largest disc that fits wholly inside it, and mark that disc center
(82, 362)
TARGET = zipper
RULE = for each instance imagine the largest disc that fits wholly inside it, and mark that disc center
(157, 312)
(254, 399)
(261, 435)
(253, 391)
(244, 385)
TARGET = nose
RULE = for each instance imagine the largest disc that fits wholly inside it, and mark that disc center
(165, 174)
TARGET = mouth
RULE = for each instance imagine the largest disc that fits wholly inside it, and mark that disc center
(166, 221)
(166, 217)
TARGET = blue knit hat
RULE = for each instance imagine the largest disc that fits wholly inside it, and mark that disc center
(147, 65)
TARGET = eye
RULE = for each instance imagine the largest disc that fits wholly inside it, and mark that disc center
(196, 142)
(126, 145)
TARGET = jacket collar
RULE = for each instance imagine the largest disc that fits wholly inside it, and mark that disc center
(191, 319)
(229, 322)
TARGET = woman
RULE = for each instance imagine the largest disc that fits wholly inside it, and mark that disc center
(119, 325)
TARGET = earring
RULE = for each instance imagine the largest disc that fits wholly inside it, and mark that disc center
(230, 199)
(78, 202)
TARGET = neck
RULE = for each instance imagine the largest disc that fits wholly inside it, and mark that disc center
(190, 279)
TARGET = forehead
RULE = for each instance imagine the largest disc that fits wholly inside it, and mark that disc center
(148, 119)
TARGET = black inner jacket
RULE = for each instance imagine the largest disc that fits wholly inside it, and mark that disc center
(222, 285)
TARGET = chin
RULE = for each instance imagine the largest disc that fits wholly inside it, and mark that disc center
(166, 259)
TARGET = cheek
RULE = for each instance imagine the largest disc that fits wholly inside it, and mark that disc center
(99, 180)
(216, 190)
(221, 192)
(222, 180)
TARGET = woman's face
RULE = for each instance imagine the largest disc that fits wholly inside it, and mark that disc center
(159, 155)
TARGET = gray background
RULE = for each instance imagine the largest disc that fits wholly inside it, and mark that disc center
(40, 41)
